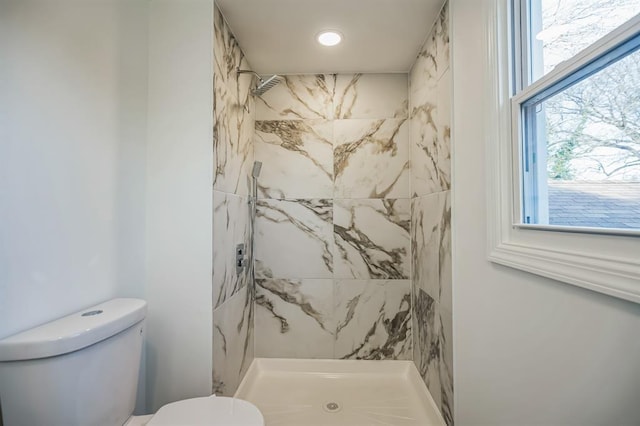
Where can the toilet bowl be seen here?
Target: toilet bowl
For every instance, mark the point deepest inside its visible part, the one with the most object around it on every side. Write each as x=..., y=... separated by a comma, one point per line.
x=82, y=370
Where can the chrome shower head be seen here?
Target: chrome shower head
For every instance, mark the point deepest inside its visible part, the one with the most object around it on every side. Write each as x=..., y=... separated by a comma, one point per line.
x=263, y=85
x=266, y=84
x=257, y=166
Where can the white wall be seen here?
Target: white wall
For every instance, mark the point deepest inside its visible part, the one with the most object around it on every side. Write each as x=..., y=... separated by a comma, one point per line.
x=72, y=147
x=527, y=350
x=179, y=200
x=82, y=217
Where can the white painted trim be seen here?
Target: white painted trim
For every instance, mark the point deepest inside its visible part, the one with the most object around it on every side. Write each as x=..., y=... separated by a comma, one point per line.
x=609, y=276
x=604, y=263
x=625, y=32
x=580, y=229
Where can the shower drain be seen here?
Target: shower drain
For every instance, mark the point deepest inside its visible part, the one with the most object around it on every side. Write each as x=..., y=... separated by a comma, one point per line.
x=332, y=407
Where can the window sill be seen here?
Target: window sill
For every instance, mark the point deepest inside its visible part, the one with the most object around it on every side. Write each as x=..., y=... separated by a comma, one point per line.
x=615, y=277
x=581, y=230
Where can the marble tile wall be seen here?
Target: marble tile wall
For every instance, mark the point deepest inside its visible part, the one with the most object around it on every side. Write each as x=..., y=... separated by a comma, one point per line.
x=233, y=341
x=234, y=127
x=333, y=227
x=430, y=147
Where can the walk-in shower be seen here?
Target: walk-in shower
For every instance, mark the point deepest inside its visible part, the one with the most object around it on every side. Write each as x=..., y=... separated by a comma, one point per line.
x=264, y=84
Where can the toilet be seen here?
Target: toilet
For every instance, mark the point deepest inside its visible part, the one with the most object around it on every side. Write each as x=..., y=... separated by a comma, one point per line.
x=82, y=370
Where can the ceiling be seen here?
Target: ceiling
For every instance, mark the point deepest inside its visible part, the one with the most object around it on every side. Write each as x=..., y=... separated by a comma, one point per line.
x=278, y=36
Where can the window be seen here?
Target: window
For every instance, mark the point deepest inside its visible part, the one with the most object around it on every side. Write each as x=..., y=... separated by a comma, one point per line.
x=576, y=114
x=539, y=66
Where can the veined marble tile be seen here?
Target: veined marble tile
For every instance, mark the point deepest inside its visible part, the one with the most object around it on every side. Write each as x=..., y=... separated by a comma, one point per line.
x=225, y=47
x=444, y=256
x=443, y=124
x=371, y=96
x=431, y=244
x=233, y=151
x=298, y=97
x=426, y=342
x=441, y=30
x=294, y=239
x=230, y=227
x=423, y=74
x=228, y=57
x=427, y=174
x=297, y=157
x=233, y=112
x=372, y=238
x=431, y=137
x=232, y=342
x=446, y=364
x=425, y=243
x=371, y=158
x=423, y=77
x=294, y=318
x=430, y=104
x=232, y=147
x=373, y=319
x=422, y=91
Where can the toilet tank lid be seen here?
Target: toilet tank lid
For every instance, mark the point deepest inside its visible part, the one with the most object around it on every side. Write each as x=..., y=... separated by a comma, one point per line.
x=75, y=331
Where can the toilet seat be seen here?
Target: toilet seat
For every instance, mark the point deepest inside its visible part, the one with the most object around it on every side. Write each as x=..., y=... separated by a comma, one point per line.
x=208, y=411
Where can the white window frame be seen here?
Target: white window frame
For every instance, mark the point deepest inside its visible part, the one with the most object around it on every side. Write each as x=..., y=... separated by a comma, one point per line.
x=606, y=261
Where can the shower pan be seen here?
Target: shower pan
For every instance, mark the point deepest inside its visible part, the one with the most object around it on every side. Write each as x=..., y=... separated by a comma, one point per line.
x=294, y=392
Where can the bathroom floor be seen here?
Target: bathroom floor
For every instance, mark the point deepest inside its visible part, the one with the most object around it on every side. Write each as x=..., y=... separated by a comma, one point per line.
x=334, y=393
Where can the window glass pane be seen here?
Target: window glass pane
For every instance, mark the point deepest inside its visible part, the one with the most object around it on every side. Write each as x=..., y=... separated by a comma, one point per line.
x=582, y=151
x=562, y=28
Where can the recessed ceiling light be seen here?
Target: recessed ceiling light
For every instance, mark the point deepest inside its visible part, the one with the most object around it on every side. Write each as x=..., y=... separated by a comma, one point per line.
x=329, y=38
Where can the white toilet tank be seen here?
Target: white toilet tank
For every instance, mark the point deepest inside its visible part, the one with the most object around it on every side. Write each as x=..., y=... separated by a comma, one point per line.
x=80, y=370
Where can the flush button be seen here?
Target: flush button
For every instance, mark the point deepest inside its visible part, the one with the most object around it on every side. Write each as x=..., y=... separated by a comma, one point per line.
x=92, y=313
